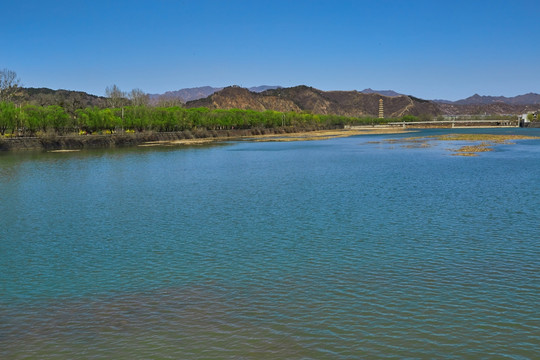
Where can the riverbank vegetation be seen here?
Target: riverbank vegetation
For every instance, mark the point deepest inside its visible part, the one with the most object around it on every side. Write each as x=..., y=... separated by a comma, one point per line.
x=33, y=120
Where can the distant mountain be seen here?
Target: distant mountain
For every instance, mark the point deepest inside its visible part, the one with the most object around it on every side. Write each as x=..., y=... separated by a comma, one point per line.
x=526, y=99
x=262, y=88
x=304, y=98
x=190, y=94
x=298, y=98
x=68, y=99
x=381, y=92
x=442, y=101
x=485, y=109
x=480, y=105
x=187, y=94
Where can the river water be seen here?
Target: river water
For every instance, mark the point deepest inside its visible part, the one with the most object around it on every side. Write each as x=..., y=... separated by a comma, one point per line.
x=344, y=249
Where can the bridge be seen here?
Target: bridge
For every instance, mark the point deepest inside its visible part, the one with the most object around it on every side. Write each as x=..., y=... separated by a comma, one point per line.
x=458, y=123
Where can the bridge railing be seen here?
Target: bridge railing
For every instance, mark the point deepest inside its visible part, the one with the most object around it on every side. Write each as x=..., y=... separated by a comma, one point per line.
x=500, y=122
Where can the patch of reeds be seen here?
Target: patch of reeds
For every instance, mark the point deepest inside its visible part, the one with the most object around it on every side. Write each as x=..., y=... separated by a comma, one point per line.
x=472, y=150
x=496, y=138
x=487, y=142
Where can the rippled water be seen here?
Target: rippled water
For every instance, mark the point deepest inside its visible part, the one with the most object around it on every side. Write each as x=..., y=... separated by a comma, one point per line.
x=344, y=249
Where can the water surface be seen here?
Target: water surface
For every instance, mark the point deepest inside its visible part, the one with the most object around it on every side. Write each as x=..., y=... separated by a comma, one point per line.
x=340, y=248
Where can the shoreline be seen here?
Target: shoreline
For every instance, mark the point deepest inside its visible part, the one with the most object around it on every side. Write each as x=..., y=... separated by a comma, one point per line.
x=75, y=142
x=67, y=143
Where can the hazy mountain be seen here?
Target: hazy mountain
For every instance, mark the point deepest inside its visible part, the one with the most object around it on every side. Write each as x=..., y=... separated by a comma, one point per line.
x=262, y=88
x=526, y=99
x=381, y=92
x=304, y=98
x=190, y=94
x=442, y=101
x=485, y=109
x=187, y=94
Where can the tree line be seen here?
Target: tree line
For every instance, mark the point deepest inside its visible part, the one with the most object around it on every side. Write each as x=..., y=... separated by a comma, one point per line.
x=30, y=120
x=130, y=112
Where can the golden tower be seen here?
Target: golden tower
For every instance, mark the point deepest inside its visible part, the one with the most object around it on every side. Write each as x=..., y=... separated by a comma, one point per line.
x=381, y=109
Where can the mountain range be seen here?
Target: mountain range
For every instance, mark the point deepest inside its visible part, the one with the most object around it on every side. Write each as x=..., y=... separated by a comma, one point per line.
x=196, y=93
x=305, y=98
x=526, y=99
x=300, y=98
x=478, y=104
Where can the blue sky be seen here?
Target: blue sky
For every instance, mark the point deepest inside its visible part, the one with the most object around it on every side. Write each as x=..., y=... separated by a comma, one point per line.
x=429, y=49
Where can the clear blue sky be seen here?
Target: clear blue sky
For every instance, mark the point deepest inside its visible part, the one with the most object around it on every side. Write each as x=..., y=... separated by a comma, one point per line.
x=430, y=49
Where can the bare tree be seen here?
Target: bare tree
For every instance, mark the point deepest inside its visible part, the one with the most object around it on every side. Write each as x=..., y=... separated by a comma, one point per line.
x=138, y=97
x=167, y=101
x=9, y=83
x=42, y=99
x=116, y=97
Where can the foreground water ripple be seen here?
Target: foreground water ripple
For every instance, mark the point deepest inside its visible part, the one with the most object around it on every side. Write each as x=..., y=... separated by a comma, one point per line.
x=327, y=249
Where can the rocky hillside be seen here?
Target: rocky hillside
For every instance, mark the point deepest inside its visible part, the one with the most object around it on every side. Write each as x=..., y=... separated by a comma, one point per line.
x=304, y=98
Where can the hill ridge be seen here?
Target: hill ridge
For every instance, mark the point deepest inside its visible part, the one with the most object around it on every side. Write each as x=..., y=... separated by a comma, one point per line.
x=306, y=98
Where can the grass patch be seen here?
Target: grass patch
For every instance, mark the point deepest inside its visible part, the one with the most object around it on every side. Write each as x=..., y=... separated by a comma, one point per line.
x=472, y=150
x=487, y=142
x=498, y=139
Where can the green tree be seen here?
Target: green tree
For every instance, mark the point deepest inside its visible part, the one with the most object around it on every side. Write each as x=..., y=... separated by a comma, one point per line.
x=409, y=118
x=57, y=118
x=34, y=118
x=89, y=119
x=137, y=118
x=426, y=117
x=8, y=114
x=109, y=121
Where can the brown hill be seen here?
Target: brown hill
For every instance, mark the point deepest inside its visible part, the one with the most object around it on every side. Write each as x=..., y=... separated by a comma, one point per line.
x=303, y=98
x=235, y=97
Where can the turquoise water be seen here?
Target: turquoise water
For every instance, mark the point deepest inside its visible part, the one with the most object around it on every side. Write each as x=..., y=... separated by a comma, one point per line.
x=346, y=248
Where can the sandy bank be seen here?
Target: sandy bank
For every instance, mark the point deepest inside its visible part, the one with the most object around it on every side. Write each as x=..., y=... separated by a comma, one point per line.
x=181, y=138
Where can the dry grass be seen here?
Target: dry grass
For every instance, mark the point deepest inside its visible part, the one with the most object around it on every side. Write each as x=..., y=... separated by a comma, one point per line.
x=472, y=150
x=297, y=136
x=417, y=146
x=499, y=139
x=327, y=134
x=487, y=142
